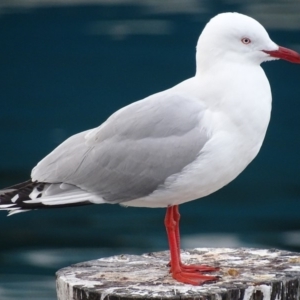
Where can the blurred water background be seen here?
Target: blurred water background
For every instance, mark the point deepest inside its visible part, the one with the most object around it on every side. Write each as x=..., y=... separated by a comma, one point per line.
x=65, y=66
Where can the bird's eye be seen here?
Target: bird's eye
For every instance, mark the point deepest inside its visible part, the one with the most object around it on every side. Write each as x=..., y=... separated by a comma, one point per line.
x=246, y=41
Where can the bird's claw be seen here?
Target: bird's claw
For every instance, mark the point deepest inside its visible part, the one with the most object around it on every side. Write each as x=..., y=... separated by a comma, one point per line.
x=194, y=278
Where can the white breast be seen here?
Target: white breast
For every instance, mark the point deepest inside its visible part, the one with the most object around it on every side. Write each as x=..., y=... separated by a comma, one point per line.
x=237, y=122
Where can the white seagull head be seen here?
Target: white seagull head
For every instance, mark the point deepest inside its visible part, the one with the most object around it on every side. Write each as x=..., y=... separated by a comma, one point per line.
x=236, y=38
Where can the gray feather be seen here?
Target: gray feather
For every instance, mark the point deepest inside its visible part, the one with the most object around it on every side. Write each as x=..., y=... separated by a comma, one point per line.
x=133, y=152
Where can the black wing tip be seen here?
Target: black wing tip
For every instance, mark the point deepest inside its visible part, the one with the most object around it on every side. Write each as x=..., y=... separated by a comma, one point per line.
x=14, y=198
x=18, y=185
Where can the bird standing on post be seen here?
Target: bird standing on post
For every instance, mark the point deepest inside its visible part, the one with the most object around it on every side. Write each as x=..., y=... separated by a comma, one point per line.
x=174, y=146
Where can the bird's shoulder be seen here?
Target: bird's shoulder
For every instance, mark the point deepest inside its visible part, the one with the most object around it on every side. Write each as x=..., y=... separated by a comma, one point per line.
x=163, y=114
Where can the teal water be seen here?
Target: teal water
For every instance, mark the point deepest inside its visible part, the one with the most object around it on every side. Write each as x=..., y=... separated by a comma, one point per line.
x=66, y=68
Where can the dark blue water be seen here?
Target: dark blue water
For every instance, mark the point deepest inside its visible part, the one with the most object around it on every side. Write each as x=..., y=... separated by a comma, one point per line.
x=65, y=69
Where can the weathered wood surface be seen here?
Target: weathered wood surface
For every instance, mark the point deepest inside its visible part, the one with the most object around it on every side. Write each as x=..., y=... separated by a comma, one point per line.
x=248, y=274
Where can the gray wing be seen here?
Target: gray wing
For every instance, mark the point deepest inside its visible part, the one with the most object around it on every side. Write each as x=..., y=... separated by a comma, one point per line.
x=133, y=152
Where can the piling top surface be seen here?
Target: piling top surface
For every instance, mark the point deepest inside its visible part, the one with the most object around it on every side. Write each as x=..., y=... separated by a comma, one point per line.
x=245, y=272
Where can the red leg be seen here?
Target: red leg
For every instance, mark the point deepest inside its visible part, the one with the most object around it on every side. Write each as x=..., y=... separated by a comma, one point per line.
x=180, y=272
x=188, y=268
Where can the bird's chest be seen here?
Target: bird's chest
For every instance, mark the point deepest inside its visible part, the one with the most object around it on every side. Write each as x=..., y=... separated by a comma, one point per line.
x=242, y=125
x=237, y=132
x=242, y=109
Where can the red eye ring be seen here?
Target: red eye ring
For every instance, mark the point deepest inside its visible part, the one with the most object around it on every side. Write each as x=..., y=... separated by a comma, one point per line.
x=246, y=41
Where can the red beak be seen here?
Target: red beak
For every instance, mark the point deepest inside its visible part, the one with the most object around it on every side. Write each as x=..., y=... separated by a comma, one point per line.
x=286, y=54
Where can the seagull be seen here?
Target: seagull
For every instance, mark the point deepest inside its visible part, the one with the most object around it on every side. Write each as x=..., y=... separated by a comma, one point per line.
x=172, y=147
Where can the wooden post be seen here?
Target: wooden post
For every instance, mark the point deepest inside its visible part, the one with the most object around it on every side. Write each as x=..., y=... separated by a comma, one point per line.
x=246, y=274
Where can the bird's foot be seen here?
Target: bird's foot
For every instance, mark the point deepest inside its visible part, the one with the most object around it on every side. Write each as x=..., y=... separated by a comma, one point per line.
x=198, y=268
x=195, y=268
x=193, y=278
